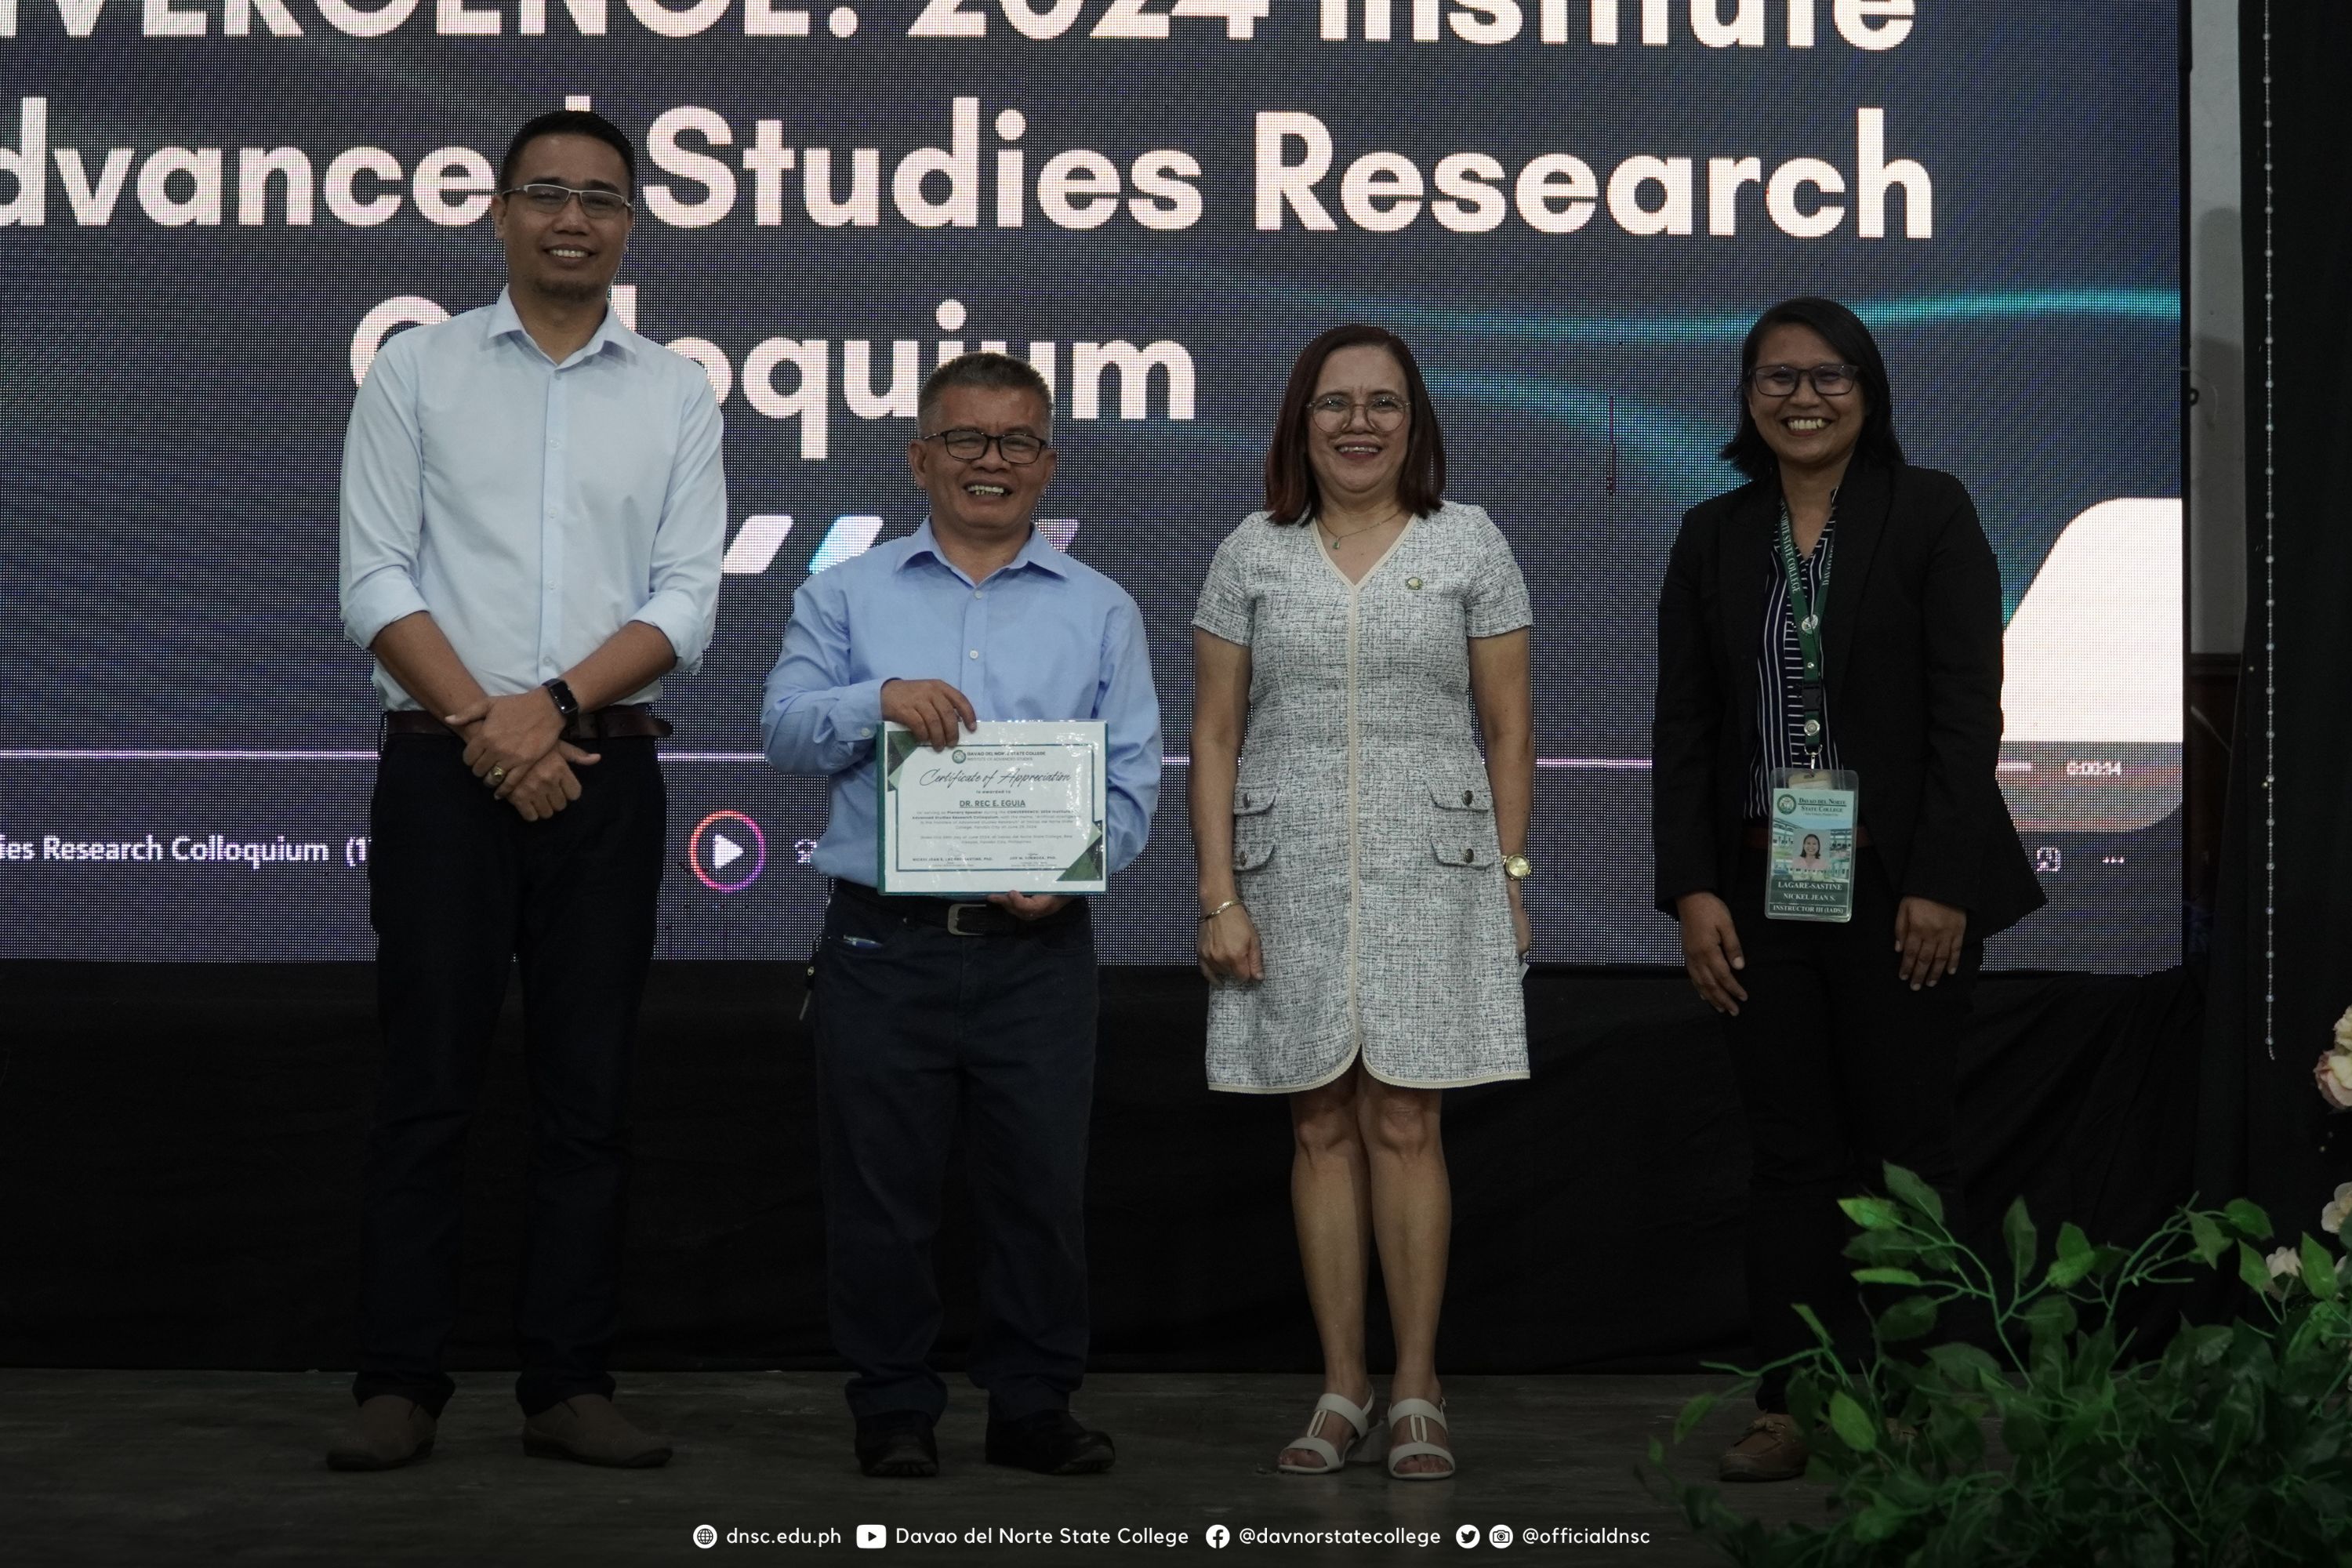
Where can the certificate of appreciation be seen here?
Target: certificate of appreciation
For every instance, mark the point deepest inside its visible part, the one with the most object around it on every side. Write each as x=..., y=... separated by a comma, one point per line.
x=1013, y=806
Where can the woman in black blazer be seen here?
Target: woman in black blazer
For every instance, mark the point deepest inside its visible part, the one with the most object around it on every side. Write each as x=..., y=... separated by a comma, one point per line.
x=1844, y=1037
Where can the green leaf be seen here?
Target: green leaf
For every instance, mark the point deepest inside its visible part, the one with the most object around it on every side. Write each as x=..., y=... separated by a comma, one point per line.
x=1907, y=1186
x=2252, y=1269
x=2072, y=1242
x=1693, y=1414
x=2248, y=1219
x=2318, y=1269
x=1851, y=1423
x=1871, y=1214
x=1813, y=1323
x=2016, y=1229
x=1887, y=1276
x=1907, y=1319
x=1881, y=1520
x=2052, y=1315
x=2207, y=1237
x=2066, y=1271
x=1657, y=1453
x=2022, y=1433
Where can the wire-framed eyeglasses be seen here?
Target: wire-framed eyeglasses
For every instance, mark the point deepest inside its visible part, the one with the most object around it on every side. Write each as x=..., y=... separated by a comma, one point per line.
x=544, y=197
x=1383, y=411
x=965, y=445
x=1781, y=380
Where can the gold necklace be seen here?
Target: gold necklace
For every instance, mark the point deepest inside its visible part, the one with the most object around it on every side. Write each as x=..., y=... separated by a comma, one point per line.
x=1333, y=538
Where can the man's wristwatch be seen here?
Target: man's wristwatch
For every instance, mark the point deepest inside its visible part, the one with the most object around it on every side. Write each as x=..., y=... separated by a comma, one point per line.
x=1516, y=868
x=565, y=703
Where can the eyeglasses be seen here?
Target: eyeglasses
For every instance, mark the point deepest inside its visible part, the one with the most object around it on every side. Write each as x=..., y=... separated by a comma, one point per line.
x=1018, y=447
x=1383, y=411
x=1780, y=380
x=549, y=199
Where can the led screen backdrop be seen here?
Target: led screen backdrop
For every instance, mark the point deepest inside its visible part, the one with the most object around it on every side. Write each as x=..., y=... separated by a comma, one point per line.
x=214, y=210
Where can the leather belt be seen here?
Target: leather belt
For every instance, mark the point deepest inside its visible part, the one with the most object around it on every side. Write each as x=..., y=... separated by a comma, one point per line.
x=1760, y=834
x=957, y=917
x=623, y=720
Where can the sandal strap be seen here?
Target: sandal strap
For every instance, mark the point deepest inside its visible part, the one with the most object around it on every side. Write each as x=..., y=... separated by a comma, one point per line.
x=1414, y=1450
x=1400, y=1408
x=1357, y=1416
x=1321, y=1449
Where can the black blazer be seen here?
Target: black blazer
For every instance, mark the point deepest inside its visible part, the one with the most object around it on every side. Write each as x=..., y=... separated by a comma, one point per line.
x=1913, y=645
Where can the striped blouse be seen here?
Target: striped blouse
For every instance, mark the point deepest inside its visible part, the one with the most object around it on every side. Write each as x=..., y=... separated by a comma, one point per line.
x=1781, y=676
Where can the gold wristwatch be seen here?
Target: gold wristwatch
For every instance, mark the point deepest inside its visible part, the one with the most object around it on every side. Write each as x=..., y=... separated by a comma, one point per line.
x=1516, y=868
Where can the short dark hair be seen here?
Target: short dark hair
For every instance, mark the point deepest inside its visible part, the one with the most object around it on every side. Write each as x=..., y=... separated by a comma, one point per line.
x=1291, y=495
x=1851, y=340
x=1002, y=372
x=568, y=122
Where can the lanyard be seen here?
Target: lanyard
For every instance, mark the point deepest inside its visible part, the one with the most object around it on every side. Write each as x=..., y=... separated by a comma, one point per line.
x=1808, y=611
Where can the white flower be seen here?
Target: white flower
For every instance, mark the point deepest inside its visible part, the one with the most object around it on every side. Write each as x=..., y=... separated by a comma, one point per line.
x=2284, y=1261
x=2344, y=1031
x=2333, y=1073
x=2338, y=1209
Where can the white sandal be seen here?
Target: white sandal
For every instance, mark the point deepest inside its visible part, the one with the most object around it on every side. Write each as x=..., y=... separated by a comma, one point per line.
x=1360, y=1421
x=1419, y=1414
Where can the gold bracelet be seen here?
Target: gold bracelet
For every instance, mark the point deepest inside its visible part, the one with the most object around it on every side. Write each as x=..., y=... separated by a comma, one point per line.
x=1221, y=909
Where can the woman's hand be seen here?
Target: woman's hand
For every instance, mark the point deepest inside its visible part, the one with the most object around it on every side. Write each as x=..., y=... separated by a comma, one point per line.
x=1929, y=936
x=1228, y=948
x=1523, y=935
x=1711, y=951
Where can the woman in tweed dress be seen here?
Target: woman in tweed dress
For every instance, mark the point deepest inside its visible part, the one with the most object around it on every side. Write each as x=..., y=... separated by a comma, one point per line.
x=1358, y=864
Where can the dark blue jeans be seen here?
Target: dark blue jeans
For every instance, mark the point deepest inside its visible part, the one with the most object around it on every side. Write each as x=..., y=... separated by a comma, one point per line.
x=460, y=888
x=916, y=1030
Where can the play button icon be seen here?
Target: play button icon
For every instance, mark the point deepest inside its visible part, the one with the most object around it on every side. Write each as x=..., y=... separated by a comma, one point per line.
x=727, y=851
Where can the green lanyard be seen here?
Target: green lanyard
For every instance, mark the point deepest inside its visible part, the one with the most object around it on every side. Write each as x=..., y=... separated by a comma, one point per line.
x=1808, y=612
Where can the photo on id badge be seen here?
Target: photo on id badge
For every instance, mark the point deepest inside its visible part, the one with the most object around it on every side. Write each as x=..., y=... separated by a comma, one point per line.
x=1809, y=876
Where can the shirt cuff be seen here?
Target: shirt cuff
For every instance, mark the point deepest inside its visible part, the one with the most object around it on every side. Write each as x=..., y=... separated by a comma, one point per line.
x=682, y=622
x=374, y=602
x=857, y=716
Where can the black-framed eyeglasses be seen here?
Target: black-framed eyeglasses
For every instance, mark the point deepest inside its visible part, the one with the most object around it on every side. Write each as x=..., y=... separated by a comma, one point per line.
x=1019, y=447
x=1383, y=411
x=550, y=199
x=1781, y=380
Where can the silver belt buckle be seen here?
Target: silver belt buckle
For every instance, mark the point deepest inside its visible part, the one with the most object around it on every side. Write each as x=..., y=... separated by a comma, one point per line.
x=955, y=920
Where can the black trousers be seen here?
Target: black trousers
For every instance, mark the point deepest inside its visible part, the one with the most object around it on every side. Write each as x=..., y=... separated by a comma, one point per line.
x=1842, y=1066
x=461, y=888
x=916, y=1030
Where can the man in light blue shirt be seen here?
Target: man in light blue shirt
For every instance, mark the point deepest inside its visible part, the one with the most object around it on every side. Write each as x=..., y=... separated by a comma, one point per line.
x=928, y=1011
x=533, y=509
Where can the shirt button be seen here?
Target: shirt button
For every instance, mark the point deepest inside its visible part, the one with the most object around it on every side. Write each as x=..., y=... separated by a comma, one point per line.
x=975, y=653
x=865, y=735
x=977, y=593
x=1469, y=856
x=1469, y=797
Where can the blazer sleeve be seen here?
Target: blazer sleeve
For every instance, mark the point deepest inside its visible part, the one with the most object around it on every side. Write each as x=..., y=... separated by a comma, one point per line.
x=1683, y=727
x=1962, y=616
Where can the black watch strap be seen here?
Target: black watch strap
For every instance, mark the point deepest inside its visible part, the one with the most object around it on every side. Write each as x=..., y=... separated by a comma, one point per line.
x=565, y=703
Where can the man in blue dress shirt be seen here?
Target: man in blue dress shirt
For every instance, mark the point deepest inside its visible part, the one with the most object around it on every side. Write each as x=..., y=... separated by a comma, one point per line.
x=928, y=1010
x=532, y=511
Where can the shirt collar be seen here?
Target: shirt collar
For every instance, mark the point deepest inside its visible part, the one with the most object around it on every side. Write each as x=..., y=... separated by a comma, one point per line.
x=1037, y=553
x=610, y=335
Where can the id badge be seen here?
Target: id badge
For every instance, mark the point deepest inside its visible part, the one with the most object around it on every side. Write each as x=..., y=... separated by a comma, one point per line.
x=1809, y=873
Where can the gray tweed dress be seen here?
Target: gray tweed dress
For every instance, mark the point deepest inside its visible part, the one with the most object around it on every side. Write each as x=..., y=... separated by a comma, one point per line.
x=1364, y=840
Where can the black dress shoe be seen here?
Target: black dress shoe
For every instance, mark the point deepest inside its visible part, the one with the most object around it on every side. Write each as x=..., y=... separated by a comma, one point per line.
x=898, y=1444
x=1052, y=1443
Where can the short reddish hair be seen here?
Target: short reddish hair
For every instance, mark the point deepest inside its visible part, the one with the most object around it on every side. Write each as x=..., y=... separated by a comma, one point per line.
x=1290, y=490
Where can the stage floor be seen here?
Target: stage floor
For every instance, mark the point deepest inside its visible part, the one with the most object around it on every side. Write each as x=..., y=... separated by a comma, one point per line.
x=167, y=1466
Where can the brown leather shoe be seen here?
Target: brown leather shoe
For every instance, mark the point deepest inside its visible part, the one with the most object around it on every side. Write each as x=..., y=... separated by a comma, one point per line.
x=1770, y=1450
x=387, y=1433
x=587, y=1428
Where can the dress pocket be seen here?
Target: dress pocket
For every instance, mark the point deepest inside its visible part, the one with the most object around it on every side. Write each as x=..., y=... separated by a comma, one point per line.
x=1254, y=823
x=1463, y=830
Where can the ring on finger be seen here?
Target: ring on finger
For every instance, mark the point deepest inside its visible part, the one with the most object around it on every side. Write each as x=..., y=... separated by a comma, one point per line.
x=497, y=775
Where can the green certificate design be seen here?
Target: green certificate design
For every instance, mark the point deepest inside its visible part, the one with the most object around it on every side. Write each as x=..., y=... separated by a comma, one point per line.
x=1013, y=806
